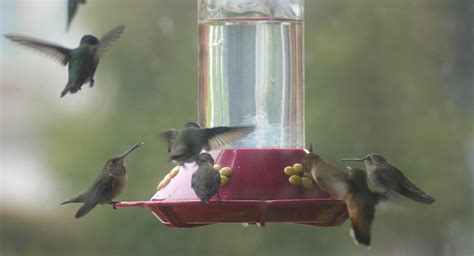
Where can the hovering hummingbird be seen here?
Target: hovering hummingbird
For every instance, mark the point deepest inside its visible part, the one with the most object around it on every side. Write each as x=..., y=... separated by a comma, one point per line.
x=82, y=60
x=106, y=187
x=328, y=177
x=360, y=203
x=391, y=179
x=72, y=6
x=206, y=180
x=186, y=144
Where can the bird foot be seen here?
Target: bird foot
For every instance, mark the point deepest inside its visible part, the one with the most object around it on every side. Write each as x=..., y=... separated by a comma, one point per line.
x=113, y=203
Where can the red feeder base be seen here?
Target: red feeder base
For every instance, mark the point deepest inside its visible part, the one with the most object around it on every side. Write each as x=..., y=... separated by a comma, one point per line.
x=258, y=191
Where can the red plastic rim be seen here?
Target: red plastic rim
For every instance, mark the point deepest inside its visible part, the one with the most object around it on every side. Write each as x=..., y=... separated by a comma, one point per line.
x=258, y=191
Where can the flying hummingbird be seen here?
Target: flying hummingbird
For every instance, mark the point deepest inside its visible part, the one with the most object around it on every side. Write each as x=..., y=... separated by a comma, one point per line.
x=72, y=6
x=106, y=187
x=328, y=177
x=360, y=203
x=206, y=180
x=391, y=179
x=82, y=60
x=186, y=144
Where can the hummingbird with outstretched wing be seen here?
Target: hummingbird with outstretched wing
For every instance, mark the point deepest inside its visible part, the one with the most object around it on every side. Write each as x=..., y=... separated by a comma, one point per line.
x=185, y=144
x=391, y=179
x=82, y=61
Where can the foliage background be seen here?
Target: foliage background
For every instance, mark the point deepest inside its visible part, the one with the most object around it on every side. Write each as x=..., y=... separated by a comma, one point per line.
x=394, y=77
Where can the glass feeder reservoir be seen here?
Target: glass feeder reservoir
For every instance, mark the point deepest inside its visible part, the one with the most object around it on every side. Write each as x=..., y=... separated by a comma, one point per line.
x=251, y=72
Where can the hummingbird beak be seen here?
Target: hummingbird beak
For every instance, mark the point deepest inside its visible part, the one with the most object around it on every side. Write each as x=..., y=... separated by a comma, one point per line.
x=353, y=159
x=130, y=150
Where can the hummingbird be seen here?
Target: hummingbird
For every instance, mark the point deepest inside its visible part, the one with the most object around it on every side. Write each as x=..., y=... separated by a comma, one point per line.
x=82, y=60
x=72, y=6
x=186, y=144
x=206, y=180
x=391, y=179
x=107, y=186
x=360, y=202
x=329, y=178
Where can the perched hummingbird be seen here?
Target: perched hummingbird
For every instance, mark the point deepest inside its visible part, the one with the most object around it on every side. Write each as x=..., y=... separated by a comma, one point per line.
x=186, y=144
x=328, y=177
x=106, y=187
x=206, y=180
x=72, y=6
x=391, y=179
x=360, y=203
x=82, y=60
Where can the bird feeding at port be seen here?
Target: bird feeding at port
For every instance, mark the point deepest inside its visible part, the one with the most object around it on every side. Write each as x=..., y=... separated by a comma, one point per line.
x=251, y=70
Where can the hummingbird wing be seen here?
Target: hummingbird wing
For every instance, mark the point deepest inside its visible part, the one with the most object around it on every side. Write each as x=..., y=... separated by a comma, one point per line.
x=391, y=178
x=196, y=184
x=86, y=208
x=386, y=177
x=194, y=180
x=220, y=136
x=360, y=202
x=170, y=138
x=410, y=190
x=362, y=214
x=105, y=188
x=217, y=176
x=108, y=39
x=55, y=51
x=212, y=187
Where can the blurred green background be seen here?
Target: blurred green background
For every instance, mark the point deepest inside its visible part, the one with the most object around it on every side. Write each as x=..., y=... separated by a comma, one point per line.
x=394, y=77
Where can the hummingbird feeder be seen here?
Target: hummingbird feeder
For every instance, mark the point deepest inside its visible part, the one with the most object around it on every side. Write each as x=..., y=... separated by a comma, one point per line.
x=251, y=71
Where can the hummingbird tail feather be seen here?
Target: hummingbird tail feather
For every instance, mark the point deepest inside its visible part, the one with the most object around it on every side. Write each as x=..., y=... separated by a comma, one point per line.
x=360, y=235
x=85, y=209
x=411, y=191
x=77, y=199
x=65, y=91
x=74, y=89
x=71, y=87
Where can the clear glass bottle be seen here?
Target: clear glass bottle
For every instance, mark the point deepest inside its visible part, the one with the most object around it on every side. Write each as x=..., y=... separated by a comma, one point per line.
x=251, y=69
